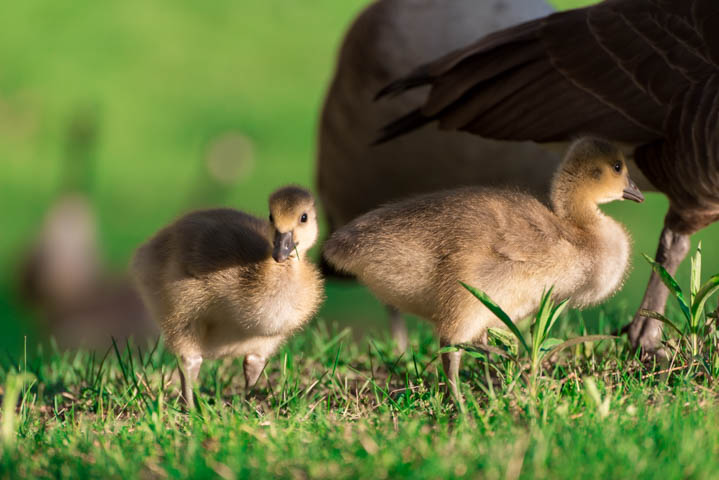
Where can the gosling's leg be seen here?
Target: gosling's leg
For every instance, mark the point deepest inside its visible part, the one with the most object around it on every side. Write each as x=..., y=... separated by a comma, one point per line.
x=399, y=328
x=646, y=333
x=451, y=362
x=253, y=366
x=189, y=370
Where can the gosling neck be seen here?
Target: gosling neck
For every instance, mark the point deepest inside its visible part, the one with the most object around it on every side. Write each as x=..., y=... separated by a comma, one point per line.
x=573, y=202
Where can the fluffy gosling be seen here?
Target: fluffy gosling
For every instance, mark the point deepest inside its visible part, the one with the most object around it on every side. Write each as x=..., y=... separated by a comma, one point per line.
x=413, y=253
x=224, y=283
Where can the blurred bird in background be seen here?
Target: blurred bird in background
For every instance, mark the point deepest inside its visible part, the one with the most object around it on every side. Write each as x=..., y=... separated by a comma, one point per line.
x=63, y=278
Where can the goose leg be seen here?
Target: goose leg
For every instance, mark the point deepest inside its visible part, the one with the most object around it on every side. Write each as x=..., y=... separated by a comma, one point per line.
x=646, y=333
x=253, y=366
x=399, y=328
x=451, y=362
x=189, y=370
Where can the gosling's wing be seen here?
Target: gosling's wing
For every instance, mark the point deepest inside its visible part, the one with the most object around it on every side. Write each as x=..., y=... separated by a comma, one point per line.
x=525, y=232
x=614, y=69
x=212, y=240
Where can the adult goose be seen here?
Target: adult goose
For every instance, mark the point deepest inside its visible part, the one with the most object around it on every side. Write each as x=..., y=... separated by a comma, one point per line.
x=641, y=72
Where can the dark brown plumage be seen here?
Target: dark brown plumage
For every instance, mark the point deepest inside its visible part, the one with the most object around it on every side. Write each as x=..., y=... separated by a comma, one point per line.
x=388, y=38
x=642, y=72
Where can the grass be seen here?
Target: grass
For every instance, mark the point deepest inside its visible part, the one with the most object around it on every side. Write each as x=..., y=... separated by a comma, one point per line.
x=328, y=408
x=695, y=324
x=543, y=346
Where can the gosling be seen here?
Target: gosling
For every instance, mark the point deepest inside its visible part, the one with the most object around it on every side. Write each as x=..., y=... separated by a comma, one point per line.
x=413, y=254
x=224, y=283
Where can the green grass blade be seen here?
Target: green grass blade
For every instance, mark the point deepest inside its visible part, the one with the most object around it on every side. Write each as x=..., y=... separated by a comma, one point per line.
x=661, y=318
x=504, y=337
x=696, y=274
x=331, y=343
x=495, y=309
x=577, y=340
x=556, y=313
x=706, y=291
x=550, y=343
x=119, y=361
x=539, y=332
x=487, y=349
x=594, y=397
x=538, y=329
x=545, y=307
x=672, y=285
x=337, y=358
x=14, y=384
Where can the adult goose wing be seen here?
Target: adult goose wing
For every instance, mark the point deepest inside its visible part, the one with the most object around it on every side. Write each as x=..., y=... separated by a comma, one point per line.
x=615, y=69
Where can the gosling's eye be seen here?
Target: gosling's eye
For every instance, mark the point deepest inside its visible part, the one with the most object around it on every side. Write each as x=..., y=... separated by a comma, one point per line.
x=272, y=220
x=303, y=218
x=618, y=167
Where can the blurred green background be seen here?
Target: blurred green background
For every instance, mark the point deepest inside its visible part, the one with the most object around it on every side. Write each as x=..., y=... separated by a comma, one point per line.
x=163, y=87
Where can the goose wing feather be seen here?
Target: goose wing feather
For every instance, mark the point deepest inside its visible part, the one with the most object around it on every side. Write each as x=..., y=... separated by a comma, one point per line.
x=617, y=69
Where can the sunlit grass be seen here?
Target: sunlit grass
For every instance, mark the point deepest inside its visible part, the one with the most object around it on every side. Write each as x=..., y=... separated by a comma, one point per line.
x=697, y=328
x=329, y=407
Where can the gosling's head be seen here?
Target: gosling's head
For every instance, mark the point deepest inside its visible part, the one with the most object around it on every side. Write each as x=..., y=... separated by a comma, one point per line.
x=294, y=221
x=593, y=171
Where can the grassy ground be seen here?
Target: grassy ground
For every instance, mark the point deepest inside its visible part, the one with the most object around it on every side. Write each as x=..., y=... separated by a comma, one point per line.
x=327, y=408
x=159, y=83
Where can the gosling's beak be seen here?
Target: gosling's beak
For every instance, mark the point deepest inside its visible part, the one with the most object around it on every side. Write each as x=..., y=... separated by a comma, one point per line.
x=283, y=246
x=632, y=192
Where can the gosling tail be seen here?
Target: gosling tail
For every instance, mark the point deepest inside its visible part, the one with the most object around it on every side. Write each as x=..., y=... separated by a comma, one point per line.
x=342, y=250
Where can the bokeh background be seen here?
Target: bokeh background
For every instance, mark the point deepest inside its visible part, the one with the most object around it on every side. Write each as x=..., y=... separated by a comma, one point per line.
x=148, y=109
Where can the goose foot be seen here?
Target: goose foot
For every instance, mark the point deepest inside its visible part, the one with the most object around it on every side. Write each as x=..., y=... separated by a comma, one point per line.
x=189, y=371
x=451, y=362
x=399, y=328
x=253, y=365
